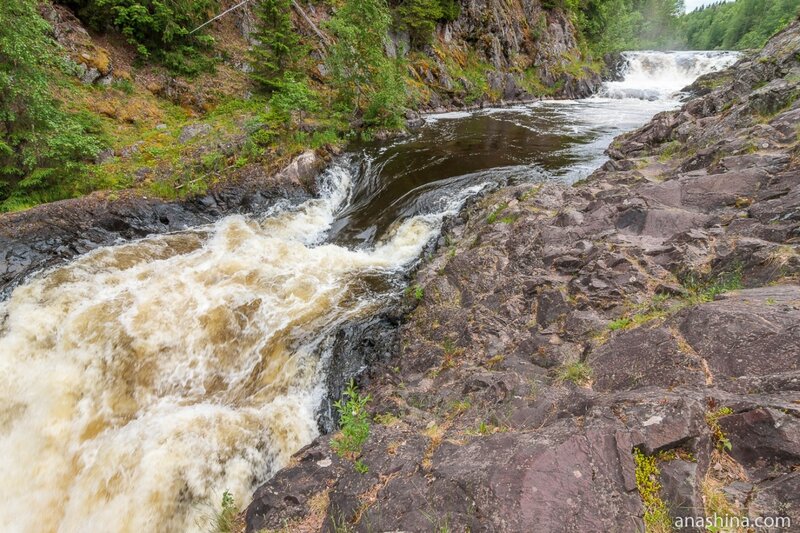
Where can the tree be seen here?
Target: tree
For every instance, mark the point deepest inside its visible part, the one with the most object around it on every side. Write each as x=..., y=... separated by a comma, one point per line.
x=420, y=17
x=278, y=48
x=737, y=25
x=366, y=81
x=42, y=148
x=157, y=28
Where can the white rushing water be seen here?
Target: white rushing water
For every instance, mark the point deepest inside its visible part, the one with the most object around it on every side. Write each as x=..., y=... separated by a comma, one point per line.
x=140, y=381
x=659, y=75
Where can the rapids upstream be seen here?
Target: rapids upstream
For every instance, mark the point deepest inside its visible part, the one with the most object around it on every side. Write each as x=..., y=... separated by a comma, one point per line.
x=141, y=381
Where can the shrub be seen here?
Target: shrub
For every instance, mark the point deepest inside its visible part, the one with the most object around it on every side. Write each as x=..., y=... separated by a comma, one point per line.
x=353, y=421
x=420, y=17
x=154, y=27
x=366, y=82
x=292, y=94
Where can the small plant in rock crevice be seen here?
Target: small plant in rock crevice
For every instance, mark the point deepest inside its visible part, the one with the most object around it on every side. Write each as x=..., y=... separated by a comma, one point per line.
x=712, y=419
x=579, y=373
x=656, y=515
x=417, y=291
x=492, y=218
x=224, y=520
x=354, y=423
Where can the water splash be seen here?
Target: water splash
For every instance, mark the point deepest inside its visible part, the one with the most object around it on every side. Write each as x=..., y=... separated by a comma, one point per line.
x=141, y=381
x=659, y=75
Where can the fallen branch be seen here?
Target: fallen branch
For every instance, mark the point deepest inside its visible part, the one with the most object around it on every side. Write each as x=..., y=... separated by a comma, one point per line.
x=322, y=36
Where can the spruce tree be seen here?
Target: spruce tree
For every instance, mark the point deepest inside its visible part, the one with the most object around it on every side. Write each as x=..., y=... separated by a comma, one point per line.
x=277, y=49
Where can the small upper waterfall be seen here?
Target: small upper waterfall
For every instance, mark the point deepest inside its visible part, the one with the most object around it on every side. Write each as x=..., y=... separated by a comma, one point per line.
x=649, y=75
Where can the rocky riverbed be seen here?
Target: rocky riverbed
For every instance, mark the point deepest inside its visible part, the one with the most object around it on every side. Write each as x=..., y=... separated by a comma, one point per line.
x=591, y=357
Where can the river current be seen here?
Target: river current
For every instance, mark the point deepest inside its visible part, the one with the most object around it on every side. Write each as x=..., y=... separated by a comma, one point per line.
x=141, y=381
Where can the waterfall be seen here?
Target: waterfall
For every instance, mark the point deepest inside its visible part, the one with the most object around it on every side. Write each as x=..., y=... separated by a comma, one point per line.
x=140, y=381
x=659, y=75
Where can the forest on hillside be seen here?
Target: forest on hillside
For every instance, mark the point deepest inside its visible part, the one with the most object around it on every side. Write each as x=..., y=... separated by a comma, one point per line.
x=736, y=25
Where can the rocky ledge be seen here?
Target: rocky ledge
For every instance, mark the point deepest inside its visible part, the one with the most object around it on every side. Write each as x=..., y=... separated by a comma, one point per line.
x=603, y=357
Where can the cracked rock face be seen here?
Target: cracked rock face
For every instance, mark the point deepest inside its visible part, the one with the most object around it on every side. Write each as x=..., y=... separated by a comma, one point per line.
x=654, y=306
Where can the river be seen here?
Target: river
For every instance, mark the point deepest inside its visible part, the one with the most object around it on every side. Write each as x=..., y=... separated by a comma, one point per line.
x=139, y=382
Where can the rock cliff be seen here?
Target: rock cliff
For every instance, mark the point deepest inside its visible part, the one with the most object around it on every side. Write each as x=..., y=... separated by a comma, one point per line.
x=599, y=357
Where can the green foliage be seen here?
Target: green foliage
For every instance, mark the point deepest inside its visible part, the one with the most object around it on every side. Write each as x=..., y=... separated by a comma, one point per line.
x=737, y=25
x=451, y=9
x=417, y=292
x=712, y=419
x=492, y=218
x=620, y=323
x=278, y=49
x=656, y=515
x=367, y=83
x=579, y=373
x=43, y=149
x=292, y=94
x=473, y=71
x=614, y=25
x=224, y=520
x=420, y=17
x=157, y=28
x=706, y=290
x=353, y=421
x=360, y=467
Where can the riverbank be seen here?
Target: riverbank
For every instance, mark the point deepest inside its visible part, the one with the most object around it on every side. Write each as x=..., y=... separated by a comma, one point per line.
x=608, y=356
x=156, y=129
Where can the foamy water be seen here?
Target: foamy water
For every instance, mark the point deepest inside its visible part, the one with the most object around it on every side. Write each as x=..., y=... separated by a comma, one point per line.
x=141, y=381
x=652, y=75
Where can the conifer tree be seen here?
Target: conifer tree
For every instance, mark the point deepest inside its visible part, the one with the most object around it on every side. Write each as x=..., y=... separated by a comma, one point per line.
x=277, y=50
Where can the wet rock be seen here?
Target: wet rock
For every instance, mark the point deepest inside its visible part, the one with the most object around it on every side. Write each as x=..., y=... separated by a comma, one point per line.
x=303, y=168
x=519, y=408
x=52, y=233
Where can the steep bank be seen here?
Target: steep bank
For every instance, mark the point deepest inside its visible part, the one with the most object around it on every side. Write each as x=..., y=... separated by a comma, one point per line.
x=185, y=151
x=597, y=357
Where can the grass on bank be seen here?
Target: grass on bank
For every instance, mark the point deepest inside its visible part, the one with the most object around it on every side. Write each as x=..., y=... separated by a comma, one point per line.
x=697, y=291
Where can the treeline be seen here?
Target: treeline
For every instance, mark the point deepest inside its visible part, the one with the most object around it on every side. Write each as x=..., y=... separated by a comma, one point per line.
x=614, y=25
x=737, y=25
x=43, y=148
